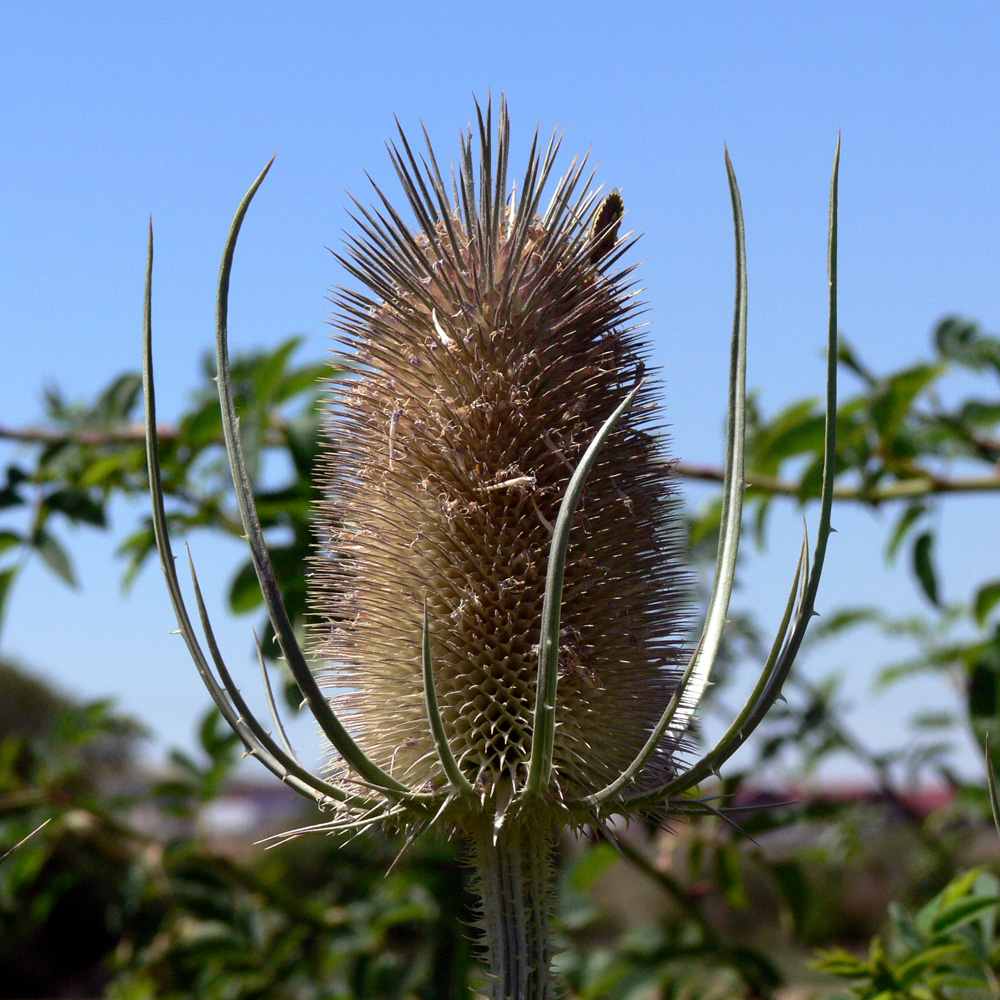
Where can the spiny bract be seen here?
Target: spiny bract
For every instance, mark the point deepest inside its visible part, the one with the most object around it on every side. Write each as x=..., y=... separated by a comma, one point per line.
x=493, y=346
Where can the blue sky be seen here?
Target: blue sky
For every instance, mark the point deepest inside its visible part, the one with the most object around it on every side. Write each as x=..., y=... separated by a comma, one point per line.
x=118, y=111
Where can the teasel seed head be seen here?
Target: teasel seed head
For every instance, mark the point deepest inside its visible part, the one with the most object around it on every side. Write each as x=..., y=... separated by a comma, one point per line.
x=488, y=368
x=489, y=349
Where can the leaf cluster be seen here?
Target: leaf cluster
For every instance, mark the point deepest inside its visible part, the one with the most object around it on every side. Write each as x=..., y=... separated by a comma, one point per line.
x=85, y=456
x=949, y=948
x=907, y=441
x=124, y=896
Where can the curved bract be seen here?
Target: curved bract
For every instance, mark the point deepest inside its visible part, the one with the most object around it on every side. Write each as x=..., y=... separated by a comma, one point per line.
x=497, y=424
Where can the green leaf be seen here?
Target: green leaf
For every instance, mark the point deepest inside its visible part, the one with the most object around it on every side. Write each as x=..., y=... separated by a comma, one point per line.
x=729, y=876
x=840, y=962
x=203, y=426
x=983, y=699
x=116, y=403
x=904, y=928
x=846, y=618
x=763, y=505
x=270, y=371
x=309, y=377
x=957, y=984
x=795, y=889
x=911, y=514
x=705, y=523
x=216, y=738
x=137, y=547
x=923, y=567
x=54, y=556
x=962, y=341
x=9, y=495
x=77, y=505
x=106, y=470
x=962, y=911
x=796, y=430
x=302, y=435
x=882, y=995
x=757, y=970
x=812, y=479
x=986, y=598
x=9, y=540
x=991, y=780
x=185, y=762
x=895, y=397
x=244, y=591
x=847, y=357
x=961, y=901
x=933, y=720
x=915, y=966
x=979, y=413
x=960, y=886
x=6, y=579
x=592, y=865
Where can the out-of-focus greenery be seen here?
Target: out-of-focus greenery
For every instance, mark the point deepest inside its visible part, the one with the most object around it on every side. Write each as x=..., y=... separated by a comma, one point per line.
x=948, y=949
x=87, y=454
x=102, y=902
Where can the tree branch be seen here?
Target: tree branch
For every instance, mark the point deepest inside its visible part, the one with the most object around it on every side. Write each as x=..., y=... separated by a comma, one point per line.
x=126, y=434
x=926, y=484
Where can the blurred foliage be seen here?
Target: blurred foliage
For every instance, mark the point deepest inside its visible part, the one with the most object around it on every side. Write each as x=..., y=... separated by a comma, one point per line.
x=122, y=896
x=86, y=455
x=730, y=901
x=900, y=447
x=949, y=948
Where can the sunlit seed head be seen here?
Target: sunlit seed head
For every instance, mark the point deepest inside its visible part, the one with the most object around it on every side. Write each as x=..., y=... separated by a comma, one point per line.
x=494, y=340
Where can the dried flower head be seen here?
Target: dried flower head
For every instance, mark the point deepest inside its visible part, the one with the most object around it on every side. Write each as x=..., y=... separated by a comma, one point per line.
x=495, y=344
x=500, y=600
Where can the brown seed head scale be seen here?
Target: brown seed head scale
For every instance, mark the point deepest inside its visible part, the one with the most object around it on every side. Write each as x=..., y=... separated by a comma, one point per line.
x=493, y=346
